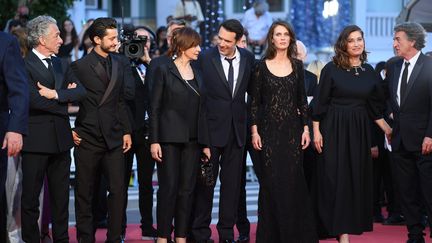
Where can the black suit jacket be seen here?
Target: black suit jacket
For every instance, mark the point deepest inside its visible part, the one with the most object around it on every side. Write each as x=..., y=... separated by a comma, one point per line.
x=150, y=72
x=311, y=81
x=14, y=98
x=140, y=104
x=170, y=102
x=224, y=109
x=49, y=127
x=102, y=118
x=413, y=118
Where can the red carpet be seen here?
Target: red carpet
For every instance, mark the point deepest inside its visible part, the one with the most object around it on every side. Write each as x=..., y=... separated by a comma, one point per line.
x=381, y=234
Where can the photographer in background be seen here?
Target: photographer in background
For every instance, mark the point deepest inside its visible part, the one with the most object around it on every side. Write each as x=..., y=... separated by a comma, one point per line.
x=22, y=16
x=189, y=11
x=140, y=45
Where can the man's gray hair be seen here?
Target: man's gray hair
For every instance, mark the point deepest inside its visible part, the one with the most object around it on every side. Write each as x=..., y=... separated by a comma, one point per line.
x=301, y=45
x=38, y=27
x=415, y=32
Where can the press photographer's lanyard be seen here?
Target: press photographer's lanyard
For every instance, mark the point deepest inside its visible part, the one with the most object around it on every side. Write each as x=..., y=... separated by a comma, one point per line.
x=141, y=69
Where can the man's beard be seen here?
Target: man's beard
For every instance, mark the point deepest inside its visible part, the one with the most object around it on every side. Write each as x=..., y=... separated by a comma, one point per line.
x=107, y=49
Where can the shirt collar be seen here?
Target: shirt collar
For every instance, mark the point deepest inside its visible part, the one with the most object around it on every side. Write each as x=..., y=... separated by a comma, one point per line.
x=413, y=59
x=236, y=55
x=40, y=55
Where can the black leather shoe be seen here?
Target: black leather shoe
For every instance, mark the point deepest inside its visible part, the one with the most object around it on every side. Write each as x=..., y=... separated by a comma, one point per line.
x=243, y=239
x=149, y=234
x=394, y=219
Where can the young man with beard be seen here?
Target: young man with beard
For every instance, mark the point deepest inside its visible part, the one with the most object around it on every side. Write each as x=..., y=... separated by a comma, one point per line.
x=102, y=130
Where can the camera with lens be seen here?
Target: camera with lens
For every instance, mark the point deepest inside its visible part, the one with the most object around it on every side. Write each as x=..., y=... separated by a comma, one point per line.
x=133, y=48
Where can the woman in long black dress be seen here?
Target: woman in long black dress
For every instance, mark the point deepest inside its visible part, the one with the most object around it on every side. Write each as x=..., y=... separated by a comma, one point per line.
x=279, y=130
x=348, y=97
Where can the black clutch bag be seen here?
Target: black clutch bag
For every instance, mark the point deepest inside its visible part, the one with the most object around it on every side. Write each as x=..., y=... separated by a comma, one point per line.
x=206, y=175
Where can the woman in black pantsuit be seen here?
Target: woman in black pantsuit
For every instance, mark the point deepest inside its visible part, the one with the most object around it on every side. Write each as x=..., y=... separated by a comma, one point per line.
x=178, y=133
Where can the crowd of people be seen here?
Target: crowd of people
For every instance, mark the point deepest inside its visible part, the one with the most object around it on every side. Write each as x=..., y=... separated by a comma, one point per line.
x=320, y=138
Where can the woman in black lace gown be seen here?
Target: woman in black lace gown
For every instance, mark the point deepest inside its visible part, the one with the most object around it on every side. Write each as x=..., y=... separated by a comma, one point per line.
x=279, y=131
x=348, y=97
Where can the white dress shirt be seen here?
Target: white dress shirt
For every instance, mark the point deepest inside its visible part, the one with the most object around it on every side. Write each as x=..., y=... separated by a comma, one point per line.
x=412, y=62
x=41, y=57
x=236, y=66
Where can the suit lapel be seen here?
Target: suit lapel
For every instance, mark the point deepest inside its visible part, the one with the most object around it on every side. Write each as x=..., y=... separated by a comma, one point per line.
x=218, y=65
x=173, y=69
x=413, y=77
x=197, y=75
x=114, y=78
x=241, y=71
x=37, y=65
x=396, y=74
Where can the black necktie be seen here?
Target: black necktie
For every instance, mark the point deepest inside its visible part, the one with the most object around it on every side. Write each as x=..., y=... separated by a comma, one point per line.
x=230, y=74
x=50, y=66
x=403, y=84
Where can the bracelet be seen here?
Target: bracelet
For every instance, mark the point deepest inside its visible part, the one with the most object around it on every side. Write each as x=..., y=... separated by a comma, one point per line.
x=254, y=134
x=306, y=131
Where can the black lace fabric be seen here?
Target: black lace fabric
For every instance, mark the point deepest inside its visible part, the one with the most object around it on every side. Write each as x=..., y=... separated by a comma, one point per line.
x=279, y=109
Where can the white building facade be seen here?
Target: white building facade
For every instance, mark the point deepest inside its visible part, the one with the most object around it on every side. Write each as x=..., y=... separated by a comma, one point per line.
x=376, y=18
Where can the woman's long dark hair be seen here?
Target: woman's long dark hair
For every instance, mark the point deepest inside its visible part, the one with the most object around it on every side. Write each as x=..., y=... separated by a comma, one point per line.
x=74, y=36
x=341, y=57
x=270, y=52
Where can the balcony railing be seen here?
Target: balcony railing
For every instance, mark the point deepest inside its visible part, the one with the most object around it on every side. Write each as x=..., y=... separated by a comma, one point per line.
x=380, y=24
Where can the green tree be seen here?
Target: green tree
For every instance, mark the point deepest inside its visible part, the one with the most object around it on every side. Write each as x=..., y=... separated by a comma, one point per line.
x=55, y=8
x=7, y=11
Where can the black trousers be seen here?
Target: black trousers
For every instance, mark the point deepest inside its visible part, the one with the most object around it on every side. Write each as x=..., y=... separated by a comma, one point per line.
x=414, y=179
x=91, y=161
x=3, y=174
x=99, y=202
x=145, y=167
x=383, y=178
x=57, y=169
x=242, y=223
x=176, y=176
x=229, y=158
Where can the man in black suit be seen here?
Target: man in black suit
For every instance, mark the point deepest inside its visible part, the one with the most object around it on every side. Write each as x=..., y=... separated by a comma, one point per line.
x=138, y=109
x=46, y=150
x=310, y=78
x=410, y=88
x=13, y=111
x=102, y=130
x=227, y=70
